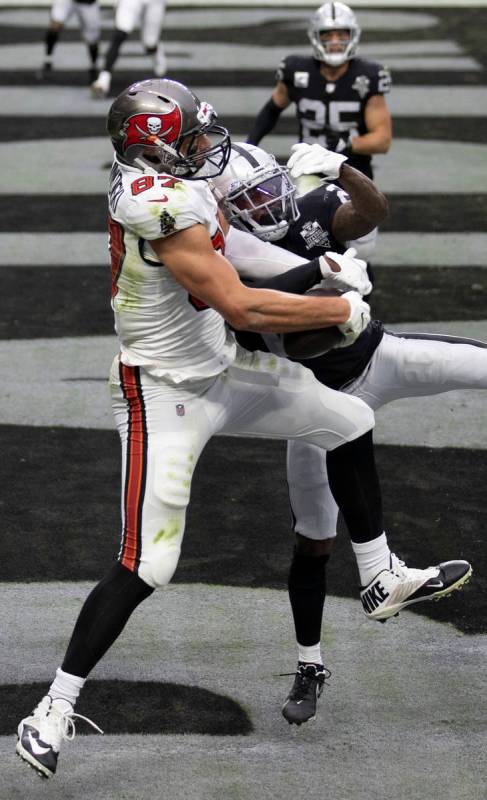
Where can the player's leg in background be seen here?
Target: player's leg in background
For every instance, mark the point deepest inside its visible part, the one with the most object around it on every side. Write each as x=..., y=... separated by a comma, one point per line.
x=90, y=25
x=314, y=514
x=61, y=10
x=150, y=29
x=127, y=15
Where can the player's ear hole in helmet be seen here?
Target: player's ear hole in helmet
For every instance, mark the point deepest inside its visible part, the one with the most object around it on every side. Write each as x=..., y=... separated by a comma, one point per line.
x=255, y=193
x=336, y=17
x=161, y=125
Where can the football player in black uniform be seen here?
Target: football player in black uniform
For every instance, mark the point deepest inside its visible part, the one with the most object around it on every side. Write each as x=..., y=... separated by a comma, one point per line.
x=377, y=366
x=339, y=98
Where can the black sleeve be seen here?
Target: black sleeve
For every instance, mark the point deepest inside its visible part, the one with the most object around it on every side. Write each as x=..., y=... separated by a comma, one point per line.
x=264, y=122
x=297, y=280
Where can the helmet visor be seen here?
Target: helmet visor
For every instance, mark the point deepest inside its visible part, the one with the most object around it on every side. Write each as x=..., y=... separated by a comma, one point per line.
x=265, y=207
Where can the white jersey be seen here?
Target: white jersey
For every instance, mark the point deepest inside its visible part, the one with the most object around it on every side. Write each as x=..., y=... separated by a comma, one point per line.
x=160, y=326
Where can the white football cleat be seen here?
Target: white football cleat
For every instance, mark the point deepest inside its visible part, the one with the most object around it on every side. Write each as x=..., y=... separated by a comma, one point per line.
x=101, y=87
x=41, y=734
x=400, y=586
x=159, y=64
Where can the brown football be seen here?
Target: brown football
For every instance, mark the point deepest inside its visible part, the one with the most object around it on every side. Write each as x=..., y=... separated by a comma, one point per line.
x=314, y=343
x=310, y=344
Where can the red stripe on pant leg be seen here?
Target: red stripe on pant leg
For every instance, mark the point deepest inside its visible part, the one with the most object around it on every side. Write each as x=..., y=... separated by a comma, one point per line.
x=135, y=467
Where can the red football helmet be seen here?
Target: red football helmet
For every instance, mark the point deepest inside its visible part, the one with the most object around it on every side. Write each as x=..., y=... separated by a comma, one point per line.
x=156, y=124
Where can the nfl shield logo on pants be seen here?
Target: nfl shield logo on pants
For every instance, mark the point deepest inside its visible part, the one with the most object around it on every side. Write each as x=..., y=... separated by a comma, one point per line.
x=180, y=410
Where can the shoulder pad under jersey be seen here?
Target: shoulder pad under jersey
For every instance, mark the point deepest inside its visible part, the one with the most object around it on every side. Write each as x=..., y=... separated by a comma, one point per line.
x=159, y=205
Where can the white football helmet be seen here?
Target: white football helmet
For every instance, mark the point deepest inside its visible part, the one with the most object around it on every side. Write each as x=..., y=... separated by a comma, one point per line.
x=333, y=17
x=255, y=193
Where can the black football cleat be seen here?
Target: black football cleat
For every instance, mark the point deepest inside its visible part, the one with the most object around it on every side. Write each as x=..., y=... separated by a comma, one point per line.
x=309, y=681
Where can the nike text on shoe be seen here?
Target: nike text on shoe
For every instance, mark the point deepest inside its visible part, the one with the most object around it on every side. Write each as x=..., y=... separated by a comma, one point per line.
x=400, y=586
x=41, y=734
x=309, y=681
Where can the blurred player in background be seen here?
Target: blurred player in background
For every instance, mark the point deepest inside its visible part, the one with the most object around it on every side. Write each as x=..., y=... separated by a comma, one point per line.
x=149, y=15
x=88, y=14
x=340, y=99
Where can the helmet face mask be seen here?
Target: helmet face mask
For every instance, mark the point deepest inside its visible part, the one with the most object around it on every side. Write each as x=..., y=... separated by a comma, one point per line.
x=161, y=125
x=255, y=193
x=334, y=17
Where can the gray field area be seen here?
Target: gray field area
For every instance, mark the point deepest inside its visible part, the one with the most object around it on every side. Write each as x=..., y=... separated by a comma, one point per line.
x=404, y=714
x=416, y=722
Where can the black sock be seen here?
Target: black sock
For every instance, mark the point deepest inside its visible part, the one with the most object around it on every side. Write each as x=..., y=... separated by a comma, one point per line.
x=93, y=51
x=355, y=486
x=118, y=39
x=51, y=39
x=103, y=617
x=307, y=592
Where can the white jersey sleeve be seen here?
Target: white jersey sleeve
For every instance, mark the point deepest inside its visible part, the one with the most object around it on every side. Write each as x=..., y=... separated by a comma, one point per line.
x=254, y=259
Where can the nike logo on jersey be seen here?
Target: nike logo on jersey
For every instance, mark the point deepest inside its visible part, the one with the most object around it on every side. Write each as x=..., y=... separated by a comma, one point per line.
x=36, y=748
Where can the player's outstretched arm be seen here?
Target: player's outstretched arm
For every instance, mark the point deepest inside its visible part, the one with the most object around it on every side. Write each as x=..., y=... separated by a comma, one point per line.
x=206, y=274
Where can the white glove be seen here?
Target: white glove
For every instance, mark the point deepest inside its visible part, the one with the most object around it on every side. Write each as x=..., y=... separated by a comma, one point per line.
x=310, y=159
x=357, y=321
x=351, y=275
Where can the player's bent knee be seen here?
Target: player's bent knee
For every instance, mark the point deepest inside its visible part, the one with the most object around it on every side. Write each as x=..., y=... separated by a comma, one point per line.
x=314, y=547
x=158, y=569
x=359, y=414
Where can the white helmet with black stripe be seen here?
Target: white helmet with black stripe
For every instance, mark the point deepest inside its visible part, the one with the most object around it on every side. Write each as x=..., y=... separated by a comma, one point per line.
x=255, y=193
x=334, y=17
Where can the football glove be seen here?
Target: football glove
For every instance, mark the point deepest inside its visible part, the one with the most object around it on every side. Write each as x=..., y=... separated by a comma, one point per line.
x=357, y=321
x=312, y=159
x=352, y=273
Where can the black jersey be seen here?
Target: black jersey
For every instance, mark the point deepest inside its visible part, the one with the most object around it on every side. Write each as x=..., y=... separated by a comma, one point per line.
x=310, y=236
x=327, y=108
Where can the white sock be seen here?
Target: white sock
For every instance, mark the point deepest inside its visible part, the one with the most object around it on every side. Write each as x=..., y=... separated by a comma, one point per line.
x=311, y=655
x=372, y=557
x=66, y=686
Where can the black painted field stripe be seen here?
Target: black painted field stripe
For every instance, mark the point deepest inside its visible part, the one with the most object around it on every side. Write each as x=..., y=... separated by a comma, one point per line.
x=408, y=294
x=454, y=129
x=55, y=302
x=440, y=491
x=255, y=78
x=75, y=301
x=424, y=213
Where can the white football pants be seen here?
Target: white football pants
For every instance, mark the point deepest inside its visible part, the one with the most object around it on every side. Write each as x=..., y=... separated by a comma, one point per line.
x=164, y=430
x=400, y=367
x=88, y=17
x=149, y=14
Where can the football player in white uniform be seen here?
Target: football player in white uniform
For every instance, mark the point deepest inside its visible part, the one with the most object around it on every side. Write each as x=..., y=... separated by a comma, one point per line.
x=378, y=367
x=149, y=14
x=180, y=376
x=88, y=14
